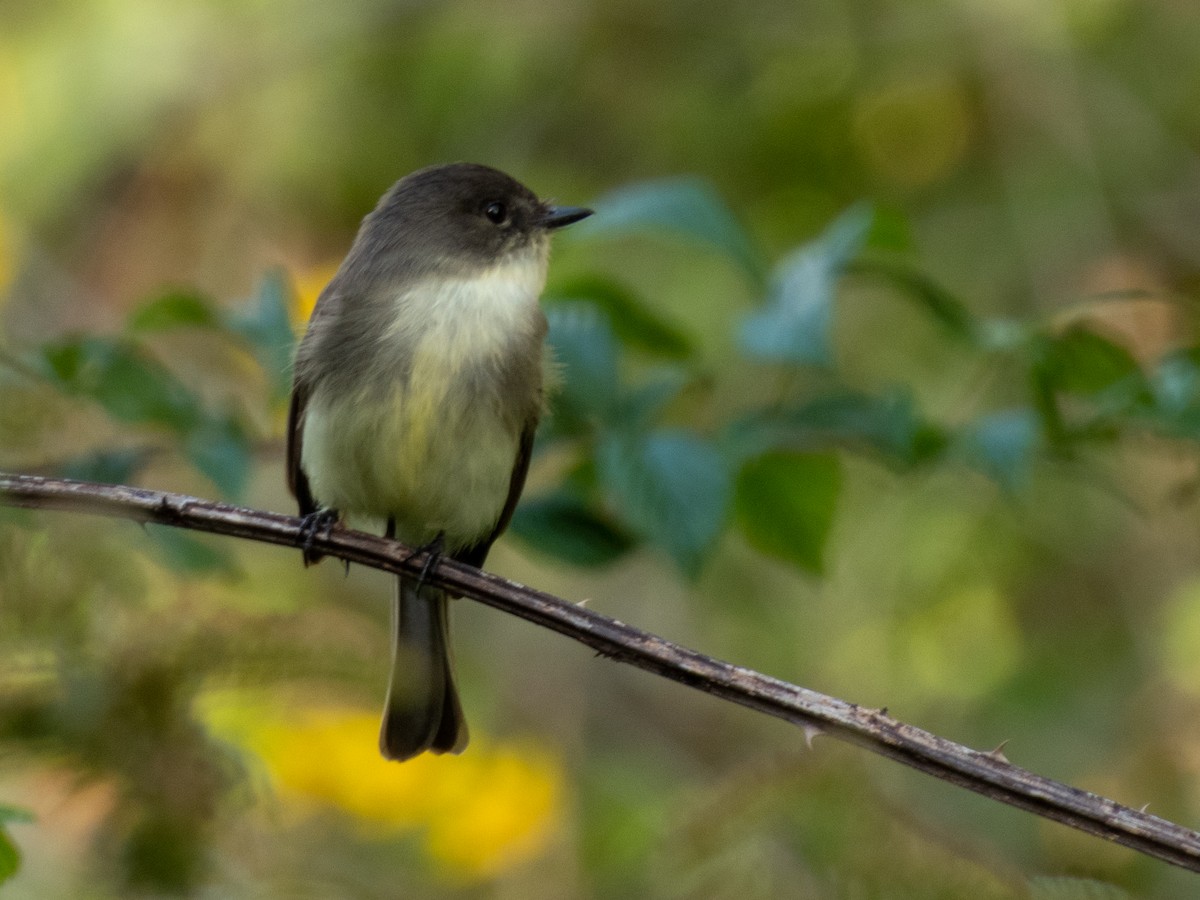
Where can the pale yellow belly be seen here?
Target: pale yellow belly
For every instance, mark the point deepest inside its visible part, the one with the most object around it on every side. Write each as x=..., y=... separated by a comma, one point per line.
x=429, y=464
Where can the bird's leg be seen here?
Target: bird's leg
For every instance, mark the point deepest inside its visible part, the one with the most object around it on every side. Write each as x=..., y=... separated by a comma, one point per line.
x=434, y=548
x=320, y=522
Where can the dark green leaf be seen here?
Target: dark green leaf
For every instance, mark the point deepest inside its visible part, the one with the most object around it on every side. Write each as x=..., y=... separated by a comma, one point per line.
x=670, y=486
x=890, y=424
x=796, y=324
x=131, y=386
x=1081, y=361
x=560, y=525
x=890, y=231
x=582, y=479
x=1003, y=445
x=687, y=207
x=585, y=348
x=1044, y=390
x=634, y=324
x=221, y=451
x=182, y=552
x=10, y=857
x=63, y=362
x=174, y=310
x=785, y=504
x=268, y=330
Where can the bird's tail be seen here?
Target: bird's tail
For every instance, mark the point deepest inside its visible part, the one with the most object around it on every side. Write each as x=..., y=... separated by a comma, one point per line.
x=422, y=710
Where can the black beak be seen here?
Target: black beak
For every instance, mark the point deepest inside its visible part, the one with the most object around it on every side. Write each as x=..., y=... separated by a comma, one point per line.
x=561, y=216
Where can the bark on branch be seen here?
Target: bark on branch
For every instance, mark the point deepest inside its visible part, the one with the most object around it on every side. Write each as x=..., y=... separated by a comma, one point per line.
x=986, y=773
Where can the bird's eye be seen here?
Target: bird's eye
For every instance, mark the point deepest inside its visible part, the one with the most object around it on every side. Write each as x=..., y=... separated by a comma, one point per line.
x=496, y=212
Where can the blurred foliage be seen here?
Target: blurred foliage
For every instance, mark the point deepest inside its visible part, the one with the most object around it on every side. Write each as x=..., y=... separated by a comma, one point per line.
x=879, y=372
x=10, y=856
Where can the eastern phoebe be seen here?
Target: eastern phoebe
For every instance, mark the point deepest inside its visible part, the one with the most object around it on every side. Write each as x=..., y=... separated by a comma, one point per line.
x=416, y=393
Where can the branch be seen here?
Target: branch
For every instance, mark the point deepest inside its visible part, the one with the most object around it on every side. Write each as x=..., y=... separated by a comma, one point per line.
x=989, y=774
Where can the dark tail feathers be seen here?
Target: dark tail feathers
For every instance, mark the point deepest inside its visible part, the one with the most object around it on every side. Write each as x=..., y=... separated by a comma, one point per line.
x=422, y=710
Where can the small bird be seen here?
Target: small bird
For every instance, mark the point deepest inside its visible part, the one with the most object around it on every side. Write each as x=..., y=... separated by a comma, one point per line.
x=416, y=392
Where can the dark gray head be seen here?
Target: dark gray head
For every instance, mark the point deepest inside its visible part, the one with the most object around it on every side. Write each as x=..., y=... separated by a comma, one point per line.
x=459, y=216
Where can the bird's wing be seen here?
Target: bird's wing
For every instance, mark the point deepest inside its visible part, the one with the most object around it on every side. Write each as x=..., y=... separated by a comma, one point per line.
x=297, y=480
x=477, y=553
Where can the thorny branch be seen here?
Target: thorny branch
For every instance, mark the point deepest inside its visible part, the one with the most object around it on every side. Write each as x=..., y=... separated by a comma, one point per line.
x=986, y=773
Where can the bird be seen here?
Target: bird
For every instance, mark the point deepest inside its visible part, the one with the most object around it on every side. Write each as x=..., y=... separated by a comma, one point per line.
x=416, y=393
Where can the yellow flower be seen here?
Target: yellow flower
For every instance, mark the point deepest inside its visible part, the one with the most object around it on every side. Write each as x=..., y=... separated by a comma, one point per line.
x=481, y=814
x=505, y=815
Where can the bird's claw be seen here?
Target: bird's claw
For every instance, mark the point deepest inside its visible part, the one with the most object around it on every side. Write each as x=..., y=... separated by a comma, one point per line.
x=316, y=523
x=434, y=549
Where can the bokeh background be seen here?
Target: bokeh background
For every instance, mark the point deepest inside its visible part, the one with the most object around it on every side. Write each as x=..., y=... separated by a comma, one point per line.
x=982, y=513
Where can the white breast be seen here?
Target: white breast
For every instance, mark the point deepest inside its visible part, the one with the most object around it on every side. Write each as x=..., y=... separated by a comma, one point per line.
x=463, y=319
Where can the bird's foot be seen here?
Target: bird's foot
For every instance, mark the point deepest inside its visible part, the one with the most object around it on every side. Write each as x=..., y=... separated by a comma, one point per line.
x=433, y=551
x=316, y=523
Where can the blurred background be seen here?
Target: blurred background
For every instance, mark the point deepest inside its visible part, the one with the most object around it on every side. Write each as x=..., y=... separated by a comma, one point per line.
x=881, y=378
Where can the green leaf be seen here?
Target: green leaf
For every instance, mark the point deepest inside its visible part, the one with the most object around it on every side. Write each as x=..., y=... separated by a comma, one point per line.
x=634, y=324
x=221, y=451
x=182, y=552
x=889, y=424
x=785, y=504
x=672, y=487
x=890, y=231
x=1003, y=445
x=174, y=310
x=940, y=304
x=265, y=326
x=586, y=350
x=686, y=207
x=796, y=324
x=1081, y=361
x=10, y=856
x=131, y=386
x=563, y=527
